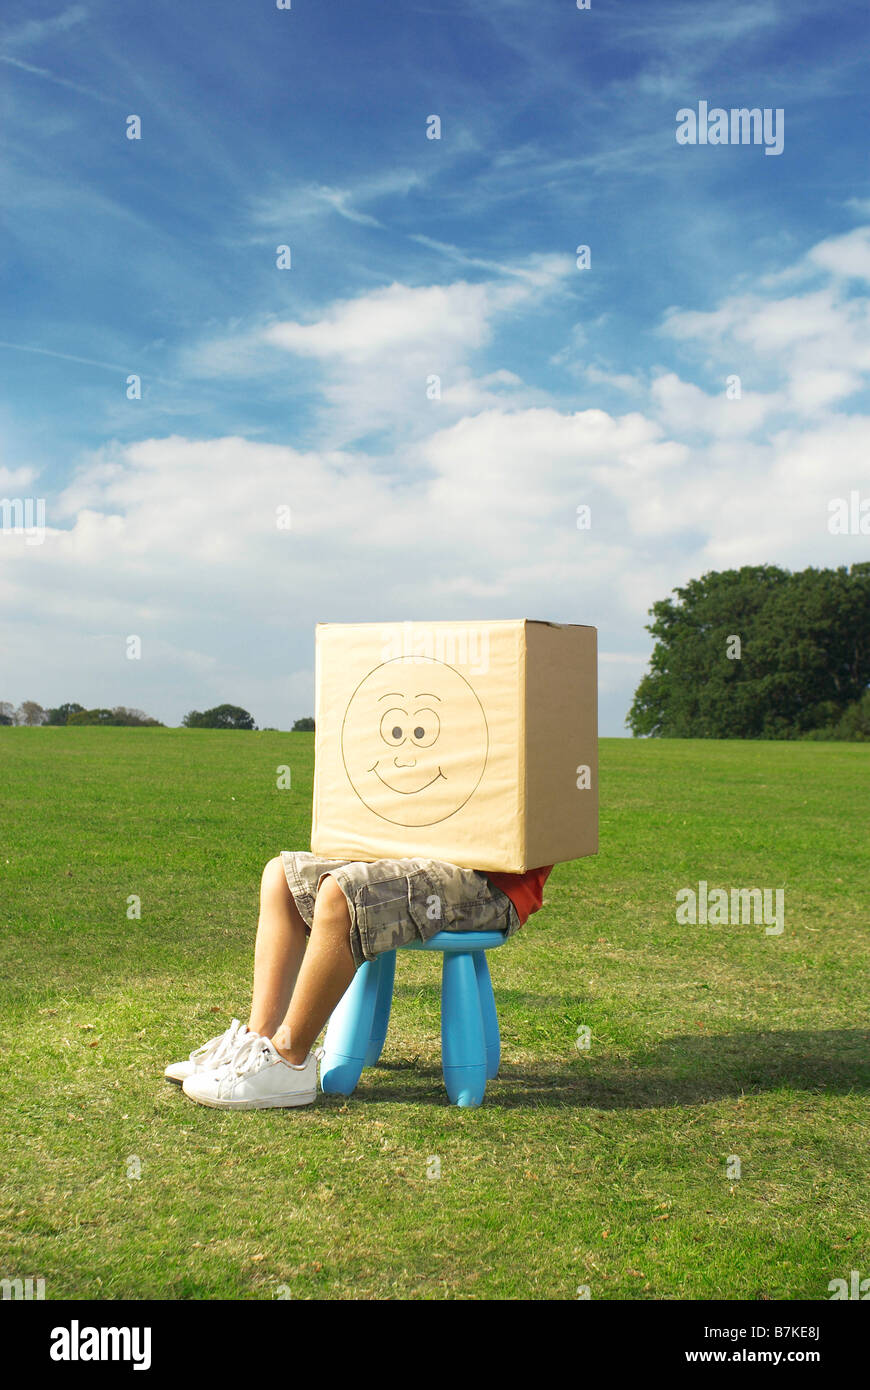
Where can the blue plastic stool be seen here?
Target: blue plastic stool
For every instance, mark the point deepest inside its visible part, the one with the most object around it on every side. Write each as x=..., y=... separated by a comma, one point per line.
x=470, y=1043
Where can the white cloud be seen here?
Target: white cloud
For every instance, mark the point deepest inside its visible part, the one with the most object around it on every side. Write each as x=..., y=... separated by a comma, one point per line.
x=619, y=381
x=379, y=351
x=34, y=31
x=175, y=540
x=393, y=319
x=473, y=513
x=685, y=409
x=428, y=319
x=285, y=207
x=814, y=346
x=847, y=255
x=15, y=482
x=467, y=395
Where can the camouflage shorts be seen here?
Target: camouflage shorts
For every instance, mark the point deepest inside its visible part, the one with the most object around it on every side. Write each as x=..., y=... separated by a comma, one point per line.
x=394, y=901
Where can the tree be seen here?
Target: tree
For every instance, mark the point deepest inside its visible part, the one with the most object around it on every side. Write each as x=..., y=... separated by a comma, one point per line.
x=30, y=713
x=134, y=718
x=305, y=725
x=119, y=717
x=61, y=714
x=221, y=717
x=7, y=712
x=90, y=716
x=854, y=726
x=803, y=656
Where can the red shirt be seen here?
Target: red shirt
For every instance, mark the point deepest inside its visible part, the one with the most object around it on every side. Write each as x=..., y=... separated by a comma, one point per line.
x=526, y=891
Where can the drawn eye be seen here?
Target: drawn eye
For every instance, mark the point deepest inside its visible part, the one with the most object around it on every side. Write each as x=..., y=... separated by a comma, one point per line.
x=393, y=723
x=427, y=727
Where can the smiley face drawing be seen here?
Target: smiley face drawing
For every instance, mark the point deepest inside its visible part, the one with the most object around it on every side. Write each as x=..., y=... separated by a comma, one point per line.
x=414, y=741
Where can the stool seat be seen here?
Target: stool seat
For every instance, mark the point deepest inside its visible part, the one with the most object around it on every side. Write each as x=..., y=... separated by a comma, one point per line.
x=458, y=941
x=470, y=1042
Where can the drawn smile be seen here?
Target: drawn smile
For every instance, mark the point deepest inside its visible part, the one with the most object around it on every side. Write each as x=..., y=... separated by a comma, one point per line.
x=403, y=790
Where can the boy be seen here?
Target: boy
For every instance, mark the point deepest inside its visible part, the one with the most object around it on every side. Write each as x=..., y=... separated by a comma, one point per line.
x=350, y=912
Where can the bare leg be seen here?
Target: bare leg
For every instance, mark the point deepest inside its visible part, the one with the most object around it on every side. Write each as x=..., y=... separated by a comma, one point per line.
x=327, y=970
x=278, y=952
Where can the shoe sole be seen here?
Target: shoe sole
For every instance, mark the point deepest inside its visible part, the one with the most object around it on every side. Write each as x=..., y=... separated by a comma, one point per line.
x=305, y=1098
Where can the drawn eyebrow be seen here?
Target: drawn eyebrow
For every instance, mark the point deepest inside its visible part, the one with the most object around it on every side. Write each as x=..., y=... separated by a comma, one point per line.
x=390, y=694
x=431, y=696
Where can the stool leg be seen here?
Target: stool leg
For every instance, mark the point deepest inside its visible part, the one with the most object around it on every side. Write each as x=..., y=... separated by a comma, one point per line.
x=383, y=1003
x=463, y=1049
x=488, y=1013
x=350, y=1027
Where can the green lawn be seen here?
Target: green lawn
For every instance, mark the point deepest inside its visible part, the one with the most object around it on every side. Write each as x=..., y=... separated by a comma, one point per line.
x=605, y=1167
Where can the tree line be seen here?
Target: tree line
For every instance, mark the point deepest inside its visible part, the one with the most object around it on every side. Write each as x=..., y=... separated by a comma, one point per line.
x=32, y=714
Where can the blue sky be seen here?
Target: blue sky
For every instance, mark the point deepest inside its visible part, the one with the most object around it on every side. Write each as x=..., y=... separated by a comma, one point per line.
x=413, y=257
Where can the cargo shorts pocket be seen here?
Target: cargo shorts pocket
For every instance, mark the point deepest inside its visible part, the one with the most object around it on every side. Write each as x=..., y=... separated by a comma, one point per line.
x=391, y=912
x=468, y=901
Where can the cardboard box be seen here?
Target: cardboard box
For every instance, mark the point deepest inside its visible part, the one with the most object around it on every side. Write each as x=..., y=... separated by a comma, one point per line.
x=475, y=743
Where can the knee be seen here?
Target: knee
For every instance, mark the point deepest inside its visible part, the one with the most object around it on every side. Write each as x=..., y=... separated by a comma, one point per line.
x=274, y=879
x=330, y=905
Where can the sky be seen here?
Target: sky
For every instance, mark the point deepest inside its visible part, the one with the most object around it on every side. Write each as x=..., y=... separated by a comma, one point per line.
x=430, y=379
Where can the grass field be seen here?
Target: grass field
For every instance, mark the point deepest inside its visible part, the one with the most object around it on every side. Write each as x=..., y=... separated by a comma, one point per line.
x=606, y=1167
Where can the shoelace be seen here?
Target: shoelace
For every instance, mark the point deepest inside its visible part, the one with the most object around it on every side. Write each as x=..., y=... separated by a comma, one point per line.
x=252, y=1053
x=221, y=1046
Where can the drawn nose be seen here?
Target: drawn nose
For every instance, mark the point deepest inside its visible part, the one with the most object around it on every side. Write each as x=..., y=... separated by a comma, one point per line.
x=398, y=764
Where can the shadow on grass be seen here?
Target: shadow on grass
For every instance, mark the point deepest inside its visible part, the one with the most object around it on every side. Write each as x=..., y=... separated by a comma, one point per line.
x=682, y=1070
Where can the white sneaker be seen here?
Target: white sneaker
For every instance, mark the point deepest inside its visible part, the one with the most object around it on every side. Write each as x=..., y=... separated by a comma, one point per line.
x=256, y=1078
x=215, y=1053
